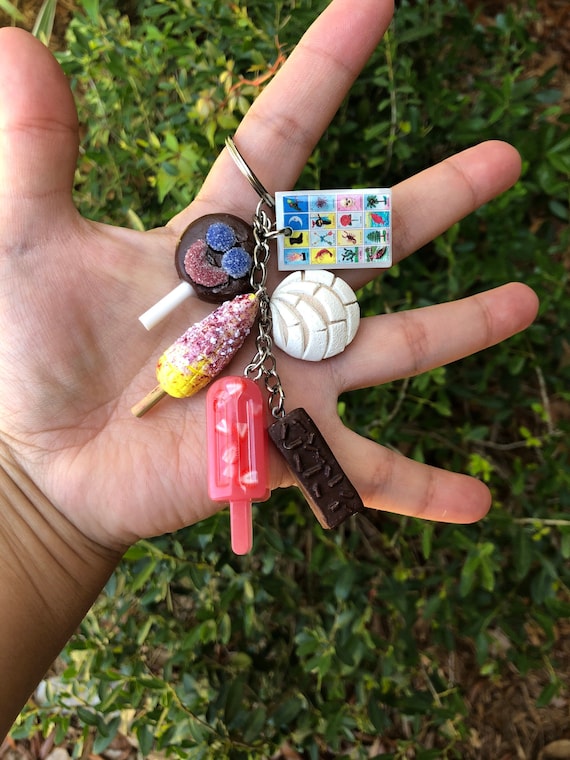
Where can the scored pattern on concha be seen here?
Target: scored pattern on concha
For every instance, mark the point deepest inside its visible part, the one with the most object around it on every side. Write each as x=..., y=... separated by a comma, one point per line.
x=315, y=315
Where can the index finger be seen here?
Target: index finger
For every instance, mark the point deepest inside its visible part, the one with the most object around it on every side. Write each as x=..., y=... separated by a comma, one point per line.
x=281, y=129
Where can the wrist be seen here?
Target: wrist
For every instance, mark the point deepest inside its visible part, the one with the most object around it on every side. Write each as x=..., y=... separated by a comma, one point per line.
x=50, y=574
x=40, y=538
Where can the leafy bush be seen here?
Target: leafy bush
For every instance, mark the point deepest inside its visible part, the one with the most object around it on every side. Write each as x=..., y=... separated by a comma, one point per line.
x=342, y=644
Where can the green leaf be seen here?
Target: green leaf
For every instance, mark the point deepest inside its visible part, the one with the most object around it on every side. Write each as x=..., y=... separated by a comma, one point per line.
x=145, y=738
x=165, y=182
x=234, y=700
x=104, y=738
x=87, y=715
x=345, y=582
x=255, y=724
x=427, y=536
x=43, y=26
x=468, y=575
x=307, y=643
x=140, y=550
x=541, y=587
x=487, y=575
x=287, y=711
x=378, y=716
x=91, y=8
x=548, y=693
x=523, y=553
x=559, y=210
x=565, y=544
x=320, y=664
x=11, y=10
x=144, y=631
x=143, y=575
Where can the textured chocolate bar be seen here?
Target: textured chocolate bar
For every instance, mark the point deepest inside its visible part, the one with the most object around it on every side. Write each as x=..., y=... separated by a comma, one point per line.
x=329, y=492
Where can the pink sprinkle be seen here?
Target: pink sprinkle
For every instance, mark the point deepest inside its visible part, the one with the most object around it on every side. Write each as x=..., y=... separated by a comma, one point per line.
x=216, y=338
x=199, y=268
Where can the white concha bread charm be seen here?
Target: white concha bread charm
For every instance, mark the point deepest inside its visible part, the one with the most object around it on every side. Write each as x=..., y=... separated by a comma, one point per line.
x=315, y=315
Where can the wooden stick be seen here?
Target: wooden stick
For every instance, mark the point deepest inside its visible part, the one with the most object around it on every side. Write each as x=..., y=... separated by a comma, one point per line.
x=145, y=404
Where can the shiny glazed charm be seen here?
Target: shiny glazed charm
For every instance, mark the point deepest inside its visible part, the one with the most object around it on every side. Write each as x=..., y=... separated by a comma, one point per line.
x=327, y=489
x=214, y=255
x=213, y=259
x=238, y=470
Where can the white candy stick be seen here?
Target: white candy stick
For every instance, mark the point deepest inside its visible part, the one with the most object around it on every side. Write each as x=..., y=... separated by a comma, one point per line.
x=162, y=308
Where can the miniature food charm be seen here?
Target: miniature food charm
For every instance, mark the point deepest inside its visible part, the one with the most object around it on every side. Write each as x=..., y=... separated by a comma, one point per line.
x=238, y=470
x=315, y=315
x=206, y=348
x=213, y=258
x=202, y=352
x=328, y=491
x=214, y=255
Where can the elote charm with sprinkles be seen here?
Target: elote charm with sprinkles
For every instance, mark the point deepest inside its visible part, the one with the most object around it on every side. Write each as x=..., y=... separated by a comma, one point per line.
x=202, y=352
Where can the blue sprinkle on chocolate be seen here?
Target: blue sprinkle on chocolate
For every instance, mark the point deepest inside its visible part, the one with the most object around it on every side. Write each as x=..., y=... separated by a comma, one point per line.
x=236, y=262
x=220, y=236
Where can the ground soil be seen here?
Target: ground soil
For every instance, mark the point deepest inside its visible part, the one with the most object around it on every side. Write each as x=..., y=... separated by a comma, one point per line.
x=29, y=10
x=504, y=720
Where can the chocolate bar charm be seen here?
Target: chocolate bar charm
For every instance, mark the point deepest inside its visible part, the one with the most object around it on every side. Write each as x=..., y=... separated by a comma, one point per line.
x=328, y=491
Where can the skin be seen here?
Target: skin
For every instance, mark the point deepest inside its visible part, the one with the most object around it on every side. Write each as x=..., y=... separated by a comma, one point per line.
x=80, y=478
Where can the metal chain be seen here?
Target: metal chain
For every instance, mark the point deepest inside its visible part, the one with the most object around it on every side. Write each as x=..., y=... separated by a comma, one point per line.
x=263, y=364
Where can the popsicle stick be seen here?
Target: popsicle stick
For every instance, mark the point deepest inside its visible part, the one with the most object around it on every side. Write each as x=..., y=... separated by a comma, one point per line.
x=241, y=527
x=145, y=404
x=166, y=305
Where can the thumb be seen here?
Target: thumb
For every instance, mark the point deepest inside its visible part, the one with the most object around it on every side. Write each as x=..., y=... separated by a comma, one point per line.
x=38, y=140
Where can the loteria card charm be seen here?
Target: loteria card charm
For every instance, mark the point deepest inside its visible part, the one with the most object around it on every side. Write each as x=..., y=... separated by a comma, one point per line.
x=334, y=229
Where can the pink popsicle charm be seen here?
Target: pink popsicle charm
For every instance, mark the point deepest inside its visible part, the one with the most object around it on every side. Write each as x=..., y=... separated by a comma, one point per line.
x=237, y=452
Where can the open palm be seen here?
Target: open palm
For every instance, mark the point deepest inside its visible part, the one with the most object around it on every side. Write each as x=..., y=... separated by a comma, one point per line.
x=74, y=359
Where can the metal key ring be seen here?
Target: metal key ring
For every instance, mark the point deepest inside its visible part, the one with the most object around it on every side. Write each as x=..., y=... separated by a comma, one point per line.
x=248, y=174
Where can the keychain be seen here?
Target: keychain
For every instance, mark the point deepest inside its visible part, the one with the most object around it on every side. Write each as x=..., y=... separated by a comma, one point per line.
x=312, y=315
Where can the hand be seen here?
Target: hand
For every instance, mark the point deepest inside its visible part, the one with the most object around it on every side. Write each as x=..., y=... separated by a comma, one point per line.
x=74, y=359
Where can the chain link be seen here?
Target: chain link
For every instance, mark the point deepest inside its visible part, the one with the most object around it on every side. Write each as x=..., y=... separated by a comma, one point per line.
x=263, y=364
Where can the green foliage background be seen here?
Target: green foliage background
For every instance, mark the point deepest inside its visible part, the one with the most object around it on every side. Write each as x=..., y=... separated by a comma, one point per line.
x=327, y=640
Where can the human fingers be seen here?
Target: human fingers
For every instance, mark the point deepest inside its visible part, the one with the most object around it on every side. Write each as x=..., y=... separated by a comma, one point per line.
x=427, y=204
x=392, y=346
x=430, y=202
x=38, y=139
x=406, y=343
x=286, y=121
x=389, y=481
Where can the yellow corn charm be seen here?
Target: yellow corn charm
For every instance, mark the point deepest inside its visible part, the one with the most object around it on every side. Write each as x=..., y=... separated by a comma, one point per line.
x=202, y=352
